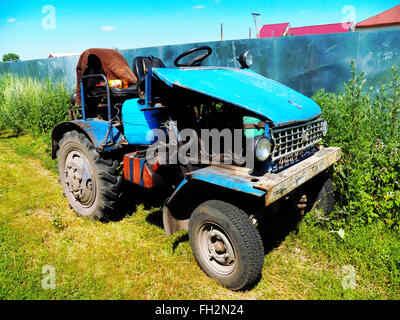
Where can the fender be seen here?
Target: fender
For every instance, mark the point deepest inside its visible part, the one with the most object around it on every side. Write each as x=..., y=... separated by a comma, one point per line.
x=237, y=180
x=98, y=132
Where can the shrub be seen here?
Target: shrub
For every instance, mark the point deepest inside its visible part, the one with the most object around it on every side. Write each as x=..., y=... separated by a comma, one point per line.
x=366, y=124
x=31, y=106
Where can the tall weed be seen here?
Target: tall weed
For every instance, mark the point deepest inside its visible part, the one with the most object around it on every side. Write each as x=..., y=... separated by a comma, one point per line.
x=365, y=122
x=31, y=106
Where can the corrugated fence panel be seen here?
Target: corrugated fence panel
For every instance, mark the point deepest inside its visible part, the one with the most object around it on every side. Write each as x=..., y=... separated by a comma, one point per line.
x=304, y=63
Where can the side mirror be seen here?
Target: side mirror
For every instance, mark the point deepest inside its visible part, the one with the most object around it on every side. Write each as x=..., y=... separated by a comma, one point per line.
x=246, y=59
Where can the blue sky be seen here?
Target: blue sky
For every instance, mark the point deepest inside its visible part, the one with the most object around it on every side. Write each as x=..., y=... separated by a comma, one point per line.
x=27, y=27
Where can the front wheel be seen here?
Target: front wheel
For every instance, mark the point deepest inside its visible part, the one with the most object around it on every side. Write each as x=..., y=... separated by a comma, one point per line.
x=226, y=244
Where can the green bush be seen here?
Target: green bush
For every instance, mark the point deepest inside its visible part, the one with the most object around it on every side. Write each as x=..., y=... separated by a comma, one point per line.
x=31, y=106
x=366, y=124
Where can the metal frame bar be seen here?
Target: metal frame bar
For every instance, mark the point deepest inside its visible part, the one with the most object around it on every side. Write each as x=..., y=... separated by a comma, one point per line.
x=109, y=131
x=148, y=95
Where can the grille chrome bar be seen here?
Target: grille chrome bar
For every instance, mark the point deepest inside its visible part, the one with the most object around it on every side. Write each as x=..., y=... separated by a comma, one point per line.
x=296, y=139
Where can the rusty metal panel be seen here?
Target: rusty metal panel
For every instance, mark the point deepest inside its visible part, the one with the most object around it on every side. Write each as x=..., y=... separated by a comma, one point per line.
x=171, y=224
x=278, y=185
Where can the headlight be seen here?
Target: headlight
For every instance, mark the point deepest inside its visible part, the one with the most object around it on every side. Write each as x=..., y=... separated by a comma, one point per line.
x=262, y=148
x=246, y=59
x=72, y=99
x=324, y=128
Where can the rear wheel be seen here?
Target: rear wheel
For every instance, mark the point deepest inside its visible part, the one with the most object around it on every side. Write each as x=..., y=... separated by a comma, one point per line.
x=226, y=244
x=90, y=182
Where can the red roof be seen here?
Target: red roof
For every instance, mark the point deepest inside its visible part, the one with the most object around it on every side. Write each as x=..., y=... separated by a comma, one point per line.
x=387, y=18
x=273, y=30
x=321, y=29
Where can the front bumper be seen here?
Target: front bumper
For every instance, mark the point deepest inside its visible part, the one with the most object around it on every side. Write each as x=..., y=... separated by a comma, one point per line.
x=278, y=185
x=272, y=185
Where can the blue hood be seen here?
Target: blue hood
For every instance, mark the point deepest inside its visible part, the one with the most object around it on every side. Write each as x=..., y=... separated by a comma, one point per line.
x=246, y=89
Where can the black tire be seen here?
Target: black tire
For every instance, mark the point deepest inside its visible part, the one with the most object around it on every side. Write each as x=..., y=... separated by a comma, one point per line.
x=325, y=199
x=217, y=229
x=91, y=183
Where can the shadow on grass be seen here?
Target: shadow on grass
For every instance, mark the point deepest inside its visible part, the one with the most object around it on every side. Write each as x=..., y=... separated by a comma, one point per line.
x=8, y=136
x=151, y=199
x=275, y=222
x=135, y=195
x=156, y=218
x=183, y=238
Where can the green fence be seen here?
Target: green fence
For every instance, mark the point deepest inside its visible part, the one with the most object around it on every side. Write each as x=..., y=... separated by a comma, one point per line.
x=304, y=63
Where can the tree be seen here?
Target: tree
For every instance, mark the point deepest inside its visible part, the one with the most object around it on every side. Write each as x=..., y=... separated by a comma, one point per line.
x=10, y=57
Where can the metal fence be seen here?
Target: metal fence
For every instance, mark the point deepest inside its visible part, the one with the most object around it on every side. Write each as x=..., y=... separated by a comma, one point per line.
x=304, y=63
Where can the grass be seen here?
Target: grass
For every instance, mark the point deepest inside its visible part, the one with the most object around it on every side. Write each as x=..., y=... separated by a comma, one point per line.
x=132, y=258
x=31, y=106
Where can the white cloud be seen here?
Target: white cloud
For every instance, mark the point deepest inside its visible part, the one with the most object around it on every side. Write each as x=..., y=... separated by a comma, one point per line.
x=198, y=7
x=108, y=28
x=11, y=20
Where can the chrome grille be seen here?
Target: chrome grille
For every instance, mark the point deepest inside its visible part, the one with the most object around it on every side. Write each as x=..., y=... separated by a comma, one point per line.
x=291, y=142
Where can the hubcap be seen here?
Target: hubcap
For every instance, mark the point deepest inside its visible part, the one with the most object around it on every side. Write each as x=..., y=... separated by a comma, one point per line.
x=217, y=249
x=79, y=178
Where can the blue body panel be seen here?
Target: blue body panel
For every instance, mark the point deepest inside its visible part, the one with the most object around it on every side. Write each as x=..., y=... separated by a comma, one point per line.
x=221, y=177
x=138, y=124
x=97, y=130
x=228, y=179
x=244, y=88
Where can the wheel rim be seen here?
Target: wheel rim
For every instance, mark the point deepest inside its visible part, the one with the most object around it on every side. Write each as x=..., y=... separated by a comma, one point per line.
x=217, y=249
x=79, y=178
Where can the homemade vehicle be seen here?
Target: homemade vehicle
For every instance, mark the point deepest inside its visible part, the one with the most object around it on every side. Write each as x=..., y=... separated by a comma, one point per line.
x=214, y=194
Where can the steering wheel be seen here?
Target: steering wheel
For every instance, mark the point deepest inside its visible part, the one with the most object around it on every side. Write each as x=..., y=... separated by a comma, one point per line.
x=197, y=60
